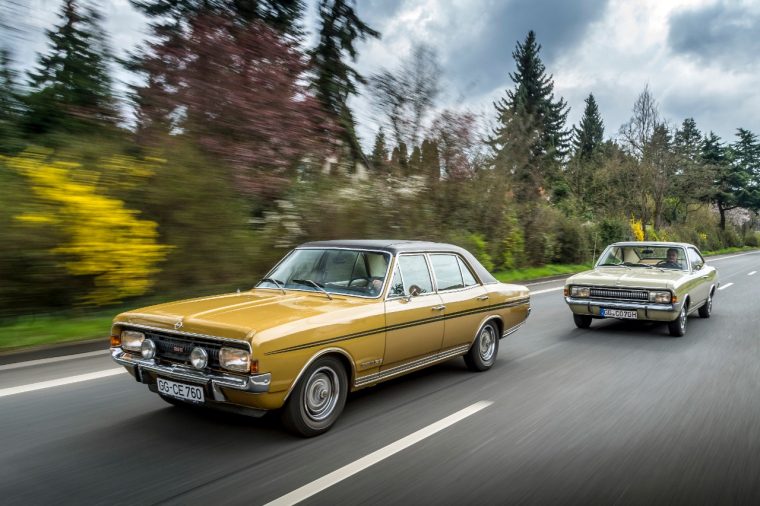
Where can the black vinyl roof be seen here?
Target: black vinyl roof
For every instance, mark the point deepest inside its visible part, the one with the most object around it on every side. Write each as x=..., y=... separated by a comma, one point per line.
x=399, y=246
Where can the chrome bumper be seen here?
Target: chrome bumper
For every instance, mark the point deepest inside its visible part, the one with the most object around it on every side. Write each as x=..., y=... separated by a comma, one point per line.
x=621, y=305
x=258, y=383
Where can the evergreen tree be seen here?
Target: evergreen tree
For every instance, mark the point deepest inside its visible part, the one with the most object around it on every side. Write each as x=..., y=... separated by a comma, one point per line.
x=590, y=135
x=380, y=151
x=430, y=163
x=727, y=184
x=530, y=139
x=72, y=85
x=335, y=79
x=415, y=160
x=10, y=107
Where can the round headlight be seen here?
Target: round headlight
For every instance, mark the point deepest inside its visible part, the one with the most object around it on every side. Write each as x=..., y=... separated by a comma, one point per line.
x=199, y=358
x=148, y=348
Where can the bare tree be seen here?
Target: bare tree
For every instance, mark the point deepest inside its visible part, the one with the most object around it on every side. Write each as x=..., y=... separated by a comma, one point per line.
x=637, y=134
x=406, y=95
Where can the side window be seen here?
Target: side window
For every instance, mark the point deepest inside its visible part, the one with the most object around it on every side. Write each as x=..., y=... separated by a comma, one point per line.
x=397, y=284
x=469, y=279
x=447, y=273
x=414, y=270
x=696, y=259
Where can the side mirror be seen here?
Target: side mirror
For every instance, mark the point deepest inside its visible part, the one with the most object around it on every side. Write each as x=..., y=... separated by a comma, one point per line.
x=414, y=291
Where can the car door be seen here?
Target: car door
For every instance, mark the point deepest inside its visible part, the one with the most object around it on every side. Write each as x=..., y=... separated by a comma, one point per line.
x=463, y=297
x=703, y=275
x=414, y=323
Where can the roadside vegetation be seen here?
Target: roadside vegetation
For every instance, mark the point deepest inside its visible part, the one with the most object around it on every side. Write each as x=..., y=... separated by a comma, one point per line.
x=241, y=144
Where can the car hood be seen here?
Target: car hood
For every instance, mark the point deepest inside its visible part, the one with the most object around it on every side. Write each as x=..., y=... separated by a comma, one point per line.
x=239, y=315
x=624, y=277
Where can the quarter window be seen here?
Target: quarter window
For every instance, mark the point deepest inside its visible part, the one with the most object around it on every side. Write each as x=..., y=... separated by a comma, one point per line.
x=447, y=273
x=696, y=259
x=414, y=270
x=469, y=279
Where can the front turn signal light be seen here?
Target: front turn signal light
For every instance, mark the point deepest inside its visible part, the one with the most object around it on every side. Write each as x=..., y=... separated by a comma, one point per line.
x=115, y=341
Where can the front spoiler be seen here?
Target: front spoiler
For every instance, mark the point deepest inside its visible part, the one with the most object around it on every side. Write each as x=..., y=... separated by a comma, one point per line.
x=257, y=383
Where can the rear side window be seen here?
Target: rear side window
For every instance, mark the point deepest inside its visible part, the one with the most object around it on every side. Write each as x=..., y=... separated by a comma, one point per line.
x=414, y=271
x=469, y=279
x=696, y=259
x=447, y=273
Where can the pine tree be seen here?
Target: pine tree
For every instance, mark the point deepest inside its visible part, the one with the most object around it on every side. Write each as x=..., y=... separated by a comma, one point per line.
x=589, y=137
x=530, y=140
x=380, y=151
x=727, y=184
x=415, y=160
x=430, y=163
x=10, y=107
x=72, y=85
x=335, y=79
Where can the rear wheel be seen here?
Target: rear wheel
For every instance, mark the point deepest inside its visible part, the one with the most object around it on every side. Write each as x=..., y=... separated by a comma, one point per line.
x=582, y=321
x=318, y=399
x=706, y=309
x=482, y=354
x=677, y=327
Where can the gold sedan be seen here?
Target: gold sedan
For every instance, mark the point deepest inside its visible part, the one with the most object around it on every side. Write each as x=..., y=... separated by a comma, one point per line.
x=331, y=317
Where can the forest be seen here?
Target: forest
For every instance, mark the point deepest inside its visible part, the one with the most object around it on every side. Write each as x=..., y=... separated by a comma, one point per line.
x=239, y=143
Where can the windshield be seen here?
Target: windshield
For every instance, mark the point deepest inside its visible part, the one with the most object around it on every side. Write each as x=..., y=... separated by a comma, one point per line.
x=664, y=257
x=348, y=272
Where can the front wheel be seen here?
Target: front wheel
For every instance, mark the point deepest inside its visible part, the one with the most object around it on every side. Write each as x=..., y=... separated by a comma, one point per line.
x=582, y=321
x=677, y=327
x=318, y=399
x=482, y=354
x=706, y=308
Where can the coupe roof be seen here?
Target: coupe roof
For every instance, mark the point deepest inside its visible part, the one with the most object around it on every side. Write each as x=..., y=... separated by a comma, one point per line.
x=655, y=244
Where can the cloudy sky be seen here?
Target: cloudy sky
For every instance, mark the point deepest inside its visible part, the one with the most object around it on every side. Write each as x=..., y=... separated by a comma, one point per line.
x=700, y=58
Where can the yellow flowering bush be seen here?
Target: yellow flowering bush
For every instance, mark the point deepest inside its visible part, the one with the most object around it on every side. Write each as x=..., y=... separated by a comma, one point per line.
x=637, y=229
x=104, y=239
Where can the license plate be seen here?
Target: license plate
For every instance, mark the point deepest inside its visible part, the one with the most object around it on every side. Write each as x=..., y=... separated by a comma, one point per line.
x=190, y=393
x=619, y=313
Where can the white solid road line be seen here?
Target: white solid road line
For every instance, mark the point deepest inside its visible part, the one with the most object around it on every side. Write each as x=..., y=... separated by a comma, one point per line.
x=349, y=470
x=5, y=392
x=730, y=256
x=30, y=363
x=752, y=273
x=547, y=290
x=725, y=286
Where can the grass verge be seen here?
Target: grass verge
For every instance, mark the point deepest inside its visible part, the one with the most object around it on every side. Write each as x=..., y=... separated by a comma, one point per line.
x=545, y=271
x=39, y=330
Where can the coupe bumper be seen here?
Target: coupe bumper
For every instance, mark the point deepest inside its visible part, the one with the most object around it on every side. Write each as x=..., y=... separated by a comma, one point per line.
x=213, y=382
x=646, y=311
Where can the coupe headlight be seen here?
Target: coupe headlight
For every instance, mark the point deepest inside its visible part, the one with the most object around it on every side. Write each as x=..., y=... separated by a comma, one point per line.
x=234, y=359
x=580, y=291
x=132, y=340
x=660, y=297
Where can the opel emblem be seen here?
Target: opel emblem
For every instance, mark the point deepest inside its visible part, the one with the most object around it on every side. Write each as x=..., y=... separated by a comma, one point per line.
x=178, y=325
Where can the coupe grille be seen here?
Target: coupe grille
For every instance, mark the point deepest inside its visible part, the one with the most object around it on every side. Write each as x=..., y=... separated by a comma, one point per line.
x=613, y=293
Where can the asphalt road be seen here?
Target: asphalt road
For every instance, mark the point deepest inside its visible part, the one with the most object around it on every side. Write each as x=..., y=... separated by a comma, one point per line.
x=620, y=413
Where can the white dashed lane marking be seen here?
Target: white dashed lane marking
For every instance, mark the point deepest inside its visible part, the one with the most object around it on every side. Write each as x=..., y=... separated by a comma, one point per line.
x=725, y=286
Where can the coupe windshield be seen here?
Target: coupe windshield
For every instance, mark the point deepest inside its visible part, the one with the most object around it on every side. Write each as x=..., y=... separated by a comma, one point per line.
x=664, y=257
x=348, y=272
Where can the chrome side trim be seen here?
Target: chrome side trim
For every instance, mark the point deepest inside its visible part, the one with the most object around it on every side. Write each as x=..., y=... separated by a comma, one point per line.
x=186, y=334
x=411, y=366
x=621, y=305
x=512, y=330
x=257, y=383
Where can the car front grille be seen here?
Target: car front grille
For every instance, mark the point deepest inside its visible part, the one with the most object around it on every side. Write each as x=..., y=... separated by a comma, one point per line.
x=615, y=293
x=177, y=348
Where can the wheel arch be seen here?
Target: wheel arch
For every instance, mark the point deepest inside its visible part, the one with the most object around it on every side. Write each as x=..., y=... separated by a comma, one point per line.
x=342, y=355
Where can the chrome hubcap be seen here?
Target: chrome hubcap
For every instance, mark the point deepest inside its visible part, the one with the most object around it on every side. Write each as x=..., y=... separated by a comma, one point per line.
x=487, y=343
x=709, y=304
x=683, y=318
x=321, y=394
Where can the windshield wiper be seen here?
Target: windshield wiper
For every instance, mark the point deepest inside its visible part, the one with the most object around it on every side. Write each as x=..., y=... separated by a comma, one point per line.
x=309, y=282
x=275, y=282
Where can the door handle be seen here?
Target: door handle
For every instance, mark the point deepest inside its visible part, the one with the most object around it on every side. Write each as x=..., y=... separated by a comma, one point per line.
x=439, y=308
x=483, y=297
